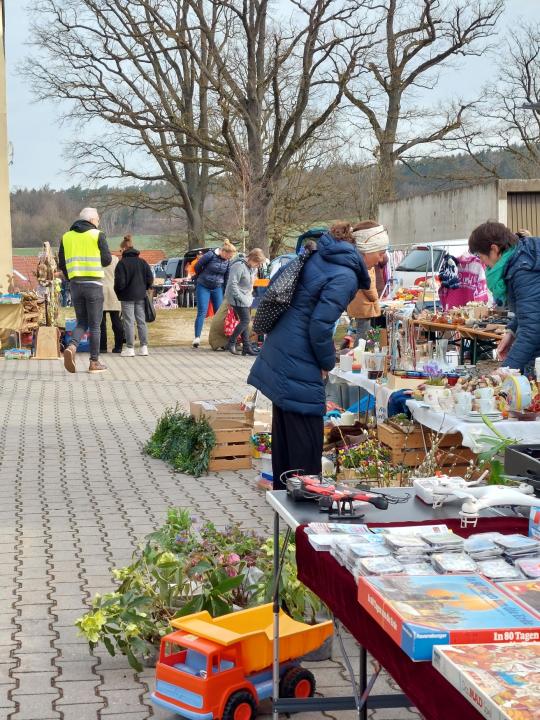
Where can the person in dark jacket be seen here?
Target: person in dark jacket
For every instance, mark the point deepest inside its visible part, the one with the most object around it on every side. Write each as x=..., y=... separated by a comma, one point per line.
x=82, y=256
x=513, y=277
x=211, y=272
x=132, y=280
x=300, y=350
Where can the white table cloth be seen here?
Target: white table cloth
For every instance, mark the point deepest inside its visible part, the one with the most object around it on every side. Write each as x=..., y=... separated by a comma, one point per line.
x=380, y=392
x=441, y=422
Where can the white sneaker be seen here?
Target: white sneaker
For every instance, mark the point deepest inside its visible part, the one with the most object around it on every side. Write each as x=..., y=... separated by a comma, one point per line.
x=128, y=352
x=143, y=350
x=196, y=342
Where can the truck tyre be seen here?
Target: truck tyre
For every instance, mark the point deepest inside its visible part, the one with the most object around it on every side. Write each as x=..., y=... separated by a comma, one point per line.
x=240, y=706
x=297, y=683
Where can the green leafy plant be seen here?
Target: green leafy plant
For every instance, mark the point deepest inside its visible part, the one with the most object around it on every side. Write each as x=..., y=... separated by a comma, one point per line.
x=298, y=600
x=492, y=455
x=183, y=441
x=180, y=569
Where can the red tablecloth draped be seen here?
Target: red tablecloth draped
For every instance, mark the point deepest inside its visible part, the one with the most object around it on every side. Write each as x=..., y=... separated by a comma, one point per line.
x=435, y=698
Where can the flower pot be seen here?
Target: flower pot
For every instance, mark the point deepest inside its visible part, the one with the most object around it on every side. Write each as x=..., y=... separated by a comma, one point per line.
x=322, y=653
x=266, y=463
x=434, y=394
x=149, y=659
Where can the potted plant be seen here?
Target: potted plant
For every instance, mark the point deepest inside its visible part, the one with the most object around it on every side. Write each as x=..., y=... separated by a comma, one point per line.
x=436, y=389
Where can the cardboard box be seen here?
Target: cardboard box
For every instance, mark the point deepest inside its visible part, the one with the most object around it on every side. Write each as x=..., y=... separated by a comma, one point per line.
x=498, y=680
x=396, y=382
x=215, y=410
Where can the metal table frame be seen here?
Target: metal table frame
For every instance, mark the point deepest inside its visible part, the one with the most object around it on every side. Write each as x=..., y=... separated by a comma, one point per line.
x=361, y=687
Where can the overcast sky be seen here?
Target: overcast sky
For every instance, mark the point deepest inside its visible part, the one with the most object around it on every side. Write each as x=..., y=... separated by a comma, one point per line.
x=38, y=139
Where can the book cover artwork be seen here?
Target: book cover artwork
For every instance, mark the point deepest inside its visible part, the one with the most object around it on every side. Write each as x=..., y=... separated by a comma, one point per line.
x=526, y=592
x=501, y=681
x=420, y=612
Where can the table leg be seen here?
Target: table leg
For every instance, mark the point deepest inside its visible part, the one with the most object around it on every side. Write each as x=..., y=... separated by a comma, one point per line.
x=275, y=660
x=362, y=679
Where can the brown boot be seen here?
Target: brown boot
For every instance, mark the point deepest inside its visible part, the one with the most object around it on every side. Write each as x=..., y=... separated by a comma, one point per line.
x=69, y=358
x=96, y=366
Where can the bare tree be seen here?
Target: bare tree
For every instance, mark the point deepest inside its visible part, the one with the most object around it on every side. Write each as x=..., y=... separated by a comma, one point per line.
x=114, y=64
x=275, y=84
x=502, y=135
x=415, y=40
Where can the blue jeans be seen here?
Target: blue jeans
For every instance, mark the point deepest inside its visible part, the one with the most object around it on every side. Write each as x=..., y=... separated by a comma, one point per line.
x=204, y=295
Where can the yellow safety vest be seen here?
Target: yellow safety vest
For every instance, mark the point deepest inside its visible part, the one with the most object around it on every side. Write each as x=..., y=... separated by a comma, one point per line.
x=81, y=251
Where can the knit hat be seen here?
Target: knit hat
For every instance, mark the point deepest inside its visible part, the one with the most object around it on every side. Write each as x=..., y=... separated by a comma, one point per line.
x=374, y=239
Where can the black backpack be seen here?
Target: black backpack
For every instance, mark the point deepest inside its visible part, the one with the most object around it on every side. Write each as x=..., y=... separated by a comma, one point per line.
x=279, y=295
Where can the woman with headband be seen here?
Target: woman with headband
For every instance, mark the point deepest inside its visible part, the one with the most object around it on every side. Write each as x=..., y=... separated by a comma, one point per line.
x=372, y=241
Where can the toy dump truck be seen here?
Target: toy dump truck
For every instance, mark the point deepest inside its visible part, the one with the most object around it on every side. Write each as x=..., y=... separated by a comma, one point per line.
x=221, y=668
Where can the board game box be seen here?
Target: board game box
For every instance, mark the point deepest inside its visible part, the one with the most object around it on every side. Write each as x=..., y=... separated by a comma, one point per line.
x=526, y=592
x=501, y=681
x=419, y=612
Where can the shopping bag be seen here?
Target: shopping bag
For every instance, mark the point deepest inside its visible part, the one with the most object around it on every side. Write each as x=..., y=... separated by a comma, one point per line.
x=149, y=310
x=230, y=322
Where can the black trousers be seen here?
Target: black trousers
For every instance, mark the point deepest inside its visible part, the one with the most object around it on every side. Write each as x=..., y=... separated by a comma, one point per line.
x=87, y=299
x=241, y=330
x=297, y=443
x=118, y=330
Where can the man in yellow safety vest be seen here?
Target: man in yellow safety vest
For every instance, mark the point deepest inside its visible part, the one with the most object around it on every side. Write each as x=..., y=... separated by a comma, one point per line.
x=82, y=256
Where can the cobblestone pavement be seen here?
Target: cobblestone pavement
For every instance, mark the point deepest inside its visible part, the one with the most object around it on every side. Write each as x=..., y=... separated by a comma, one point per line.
x=76, y=496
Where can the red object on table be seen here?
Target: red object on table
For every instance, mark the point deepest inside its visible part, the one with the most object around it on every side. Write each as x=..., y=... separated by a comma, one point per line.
x=427, y=689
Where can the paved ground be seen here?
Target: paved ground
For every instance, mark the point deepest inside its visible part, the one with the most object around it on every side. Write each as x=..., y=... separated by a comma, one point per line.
x=76, y=496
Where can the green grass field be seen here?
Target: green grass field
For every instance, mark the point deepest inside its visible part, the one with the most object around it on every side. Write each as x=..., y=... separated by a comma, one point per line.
x=142, y=242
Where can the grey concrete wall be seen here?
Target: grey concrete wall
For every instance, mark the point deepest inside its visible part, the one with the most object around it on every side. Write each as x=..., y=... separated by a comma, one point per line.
x=450, y=215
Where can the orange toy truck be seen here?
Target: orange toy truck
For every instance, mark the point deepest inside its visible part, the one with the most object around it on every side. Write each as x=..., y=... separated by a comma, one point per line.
x=221, y=668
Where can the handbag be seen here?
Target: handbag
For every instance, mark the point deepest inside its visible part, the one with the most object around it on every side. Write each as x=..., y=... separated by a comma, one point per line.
x=149, y=310
x=279, y=295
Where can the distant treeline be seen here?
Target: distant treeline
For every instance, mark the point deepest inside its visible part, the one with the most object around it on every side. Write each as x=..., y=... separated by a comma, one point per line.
x=334, y=191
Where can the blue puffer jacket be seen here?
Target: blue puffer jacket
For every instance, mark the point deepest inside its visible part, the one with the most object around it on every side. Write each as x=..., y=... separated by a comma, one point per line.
x=288, y=368
x=522, y=278
x=212, y=270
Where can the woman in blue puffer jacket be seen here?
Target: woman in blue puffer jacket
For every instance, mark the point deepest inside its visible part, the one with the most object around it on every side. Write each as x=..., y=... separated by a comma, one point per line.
x=211, y=272
x=513, y=277
x=300, y=350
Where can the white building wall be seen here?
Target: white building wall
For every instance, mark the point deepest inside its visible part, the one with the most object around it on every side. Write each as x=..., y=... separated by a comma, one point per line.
x=442, y=216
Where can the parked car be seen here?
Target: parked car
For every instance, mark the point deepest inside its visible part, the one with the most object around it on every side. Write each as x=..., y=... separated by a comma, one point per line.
x=176, y=266
x=281, y=260
x=416, y=266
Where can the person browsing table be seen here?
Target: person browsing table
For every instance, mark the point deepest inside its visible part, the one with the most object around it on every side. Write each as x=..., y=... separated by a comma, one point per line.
x=299, y=351
x=513, y=278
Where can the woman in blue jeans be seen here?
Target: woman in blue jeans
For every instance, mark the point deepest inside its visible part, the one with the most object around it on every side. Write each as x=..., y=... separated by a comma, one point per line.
x=211, y=273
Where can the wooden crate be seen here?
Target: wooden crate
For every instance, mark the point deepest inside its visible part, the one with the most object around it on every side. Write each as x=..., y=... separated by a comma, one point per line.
x=412, y=457
x=408, y=448
x=233, y=448
x=396, y=438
